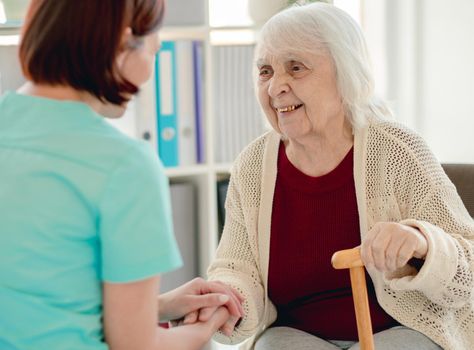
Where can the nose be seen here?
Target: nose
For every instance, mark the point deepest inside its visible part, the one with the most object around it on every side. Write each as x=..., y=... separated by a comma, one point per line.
x=278, y=85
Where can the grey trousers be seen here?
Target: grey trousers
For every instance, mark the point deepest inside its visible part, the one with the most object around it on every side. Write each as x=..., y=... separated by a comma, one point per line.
x=396, y=338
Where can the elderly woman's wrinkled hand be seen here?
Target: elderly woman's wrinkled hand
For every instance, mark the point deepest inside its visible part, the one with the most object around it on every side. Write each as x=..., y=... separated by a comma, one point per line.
x=389, y=246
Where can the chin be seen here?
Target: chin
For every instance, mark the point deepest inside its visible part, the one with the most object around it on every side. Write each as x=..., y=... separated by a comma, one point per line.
x=294, y=133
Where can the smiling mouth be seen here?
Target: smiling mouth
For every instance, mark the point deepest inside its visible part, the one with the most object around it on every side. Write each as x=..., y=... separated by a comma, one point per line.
x=288, y=108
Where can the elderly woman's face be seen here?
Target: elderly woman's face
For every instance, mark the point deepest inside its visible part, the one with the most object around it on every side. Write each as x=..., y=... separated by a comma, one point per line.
x=299, y=93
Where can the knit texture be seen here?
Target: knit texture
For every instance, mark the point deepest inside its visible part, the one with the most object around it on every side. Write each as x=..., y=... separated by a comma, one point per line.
x=397, y=179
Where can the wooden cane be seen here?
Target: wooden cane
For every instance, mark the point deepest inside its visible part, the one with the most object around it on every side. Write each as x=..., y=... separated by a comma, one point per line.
x=350, y=259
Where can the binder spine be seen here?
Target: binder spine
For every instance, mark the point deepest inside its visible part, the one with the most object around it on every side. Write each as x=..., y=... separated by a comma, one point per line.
x=166, y=98
x=186, y=103
x=199, y=99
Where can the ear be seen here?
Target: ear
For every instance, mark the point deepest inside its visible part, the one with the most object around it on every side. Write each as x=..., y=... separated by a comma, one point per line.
x=126, y=40
x=124, y=48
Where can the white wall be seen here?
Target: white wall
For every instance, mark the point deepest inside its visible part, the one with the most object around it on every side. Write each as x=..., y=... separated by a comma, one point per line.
x=11, y=76
x=447, y=78
x=423, y=54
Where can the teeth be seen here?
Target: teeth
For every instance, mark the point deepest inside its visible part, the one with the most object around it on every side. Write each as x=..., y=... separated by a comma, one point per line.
x=287, y=109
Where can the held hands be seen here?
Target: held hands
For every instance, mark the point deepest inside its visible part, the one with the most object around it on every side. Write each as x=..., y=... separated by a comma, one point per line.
x=389, y=246
x=203, y=331
x=203, y=301
x=206, y=313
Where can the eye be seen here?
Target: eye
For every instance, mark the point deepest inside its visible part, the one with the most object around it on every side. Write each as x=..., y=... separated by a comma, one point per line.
x=265, y=72
x=296, y=68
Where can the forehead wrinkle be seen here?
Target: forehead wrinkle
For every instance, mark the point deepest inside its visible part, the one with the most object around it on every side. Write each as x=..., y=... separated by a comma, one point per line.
x=290, y=52
x=284, y=58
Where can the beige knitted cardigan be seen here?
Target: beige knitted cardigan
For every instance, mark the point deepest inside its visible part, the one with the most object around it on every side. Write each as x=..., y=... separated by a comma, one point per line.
x=397, y=179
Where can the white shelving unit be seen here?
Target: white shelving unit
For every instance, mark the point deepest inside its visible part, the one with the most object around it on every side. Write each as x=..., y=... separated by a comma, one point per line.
x=203, y=176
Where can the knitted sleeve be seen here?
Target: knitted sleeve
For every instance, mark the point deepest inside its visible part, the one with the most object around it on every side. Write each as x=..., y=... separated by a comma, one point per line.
x=428, y=200
x=235, y=263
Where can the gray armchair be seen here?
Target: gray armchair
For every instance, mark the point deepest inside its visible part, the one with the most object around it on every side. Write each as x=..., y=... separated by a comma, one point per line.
x=462, y=176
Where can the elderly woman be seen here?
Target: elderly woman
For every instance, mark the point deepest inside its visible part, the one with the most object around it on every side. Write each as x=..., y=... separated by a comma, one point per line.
x=333, y=174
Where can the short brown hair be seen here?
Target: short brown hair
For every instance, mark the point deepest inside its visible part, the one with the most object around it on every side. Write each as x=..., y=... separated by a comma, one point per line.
x=75, y=42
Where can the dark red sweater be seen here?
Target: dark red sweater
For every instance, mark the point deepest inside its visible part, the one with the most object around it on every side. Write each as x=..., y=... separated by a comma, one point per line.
x=312, y=218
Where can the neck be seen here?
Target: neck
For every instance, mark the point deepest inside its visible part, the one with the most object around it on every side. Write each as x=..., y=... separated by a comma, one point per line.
x=62, y=93
x=320, y=153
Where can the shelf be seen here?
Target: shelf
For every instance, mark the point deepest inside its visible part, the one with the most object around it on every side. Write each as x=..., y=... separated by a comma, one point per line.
x=223, y=168
x=234, y=28
x=184, y=171
x=180, y=171
x=177, y=33
x=12, y=26
x=240, y=36
x=9, y=39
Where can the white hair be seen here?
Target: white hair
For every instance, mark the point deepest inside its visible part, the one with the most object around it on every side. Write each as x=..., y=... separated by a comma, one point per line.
x=320, y=26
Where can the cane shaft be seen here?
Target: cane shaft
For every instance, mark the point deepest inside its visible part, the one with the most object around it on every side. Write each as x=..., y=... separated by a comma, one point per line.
x=361, y=305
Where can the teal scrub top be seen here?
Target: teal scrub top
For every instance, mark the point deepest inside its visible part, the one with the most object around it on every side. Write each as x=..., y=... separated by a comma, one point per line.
x=80, y=203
